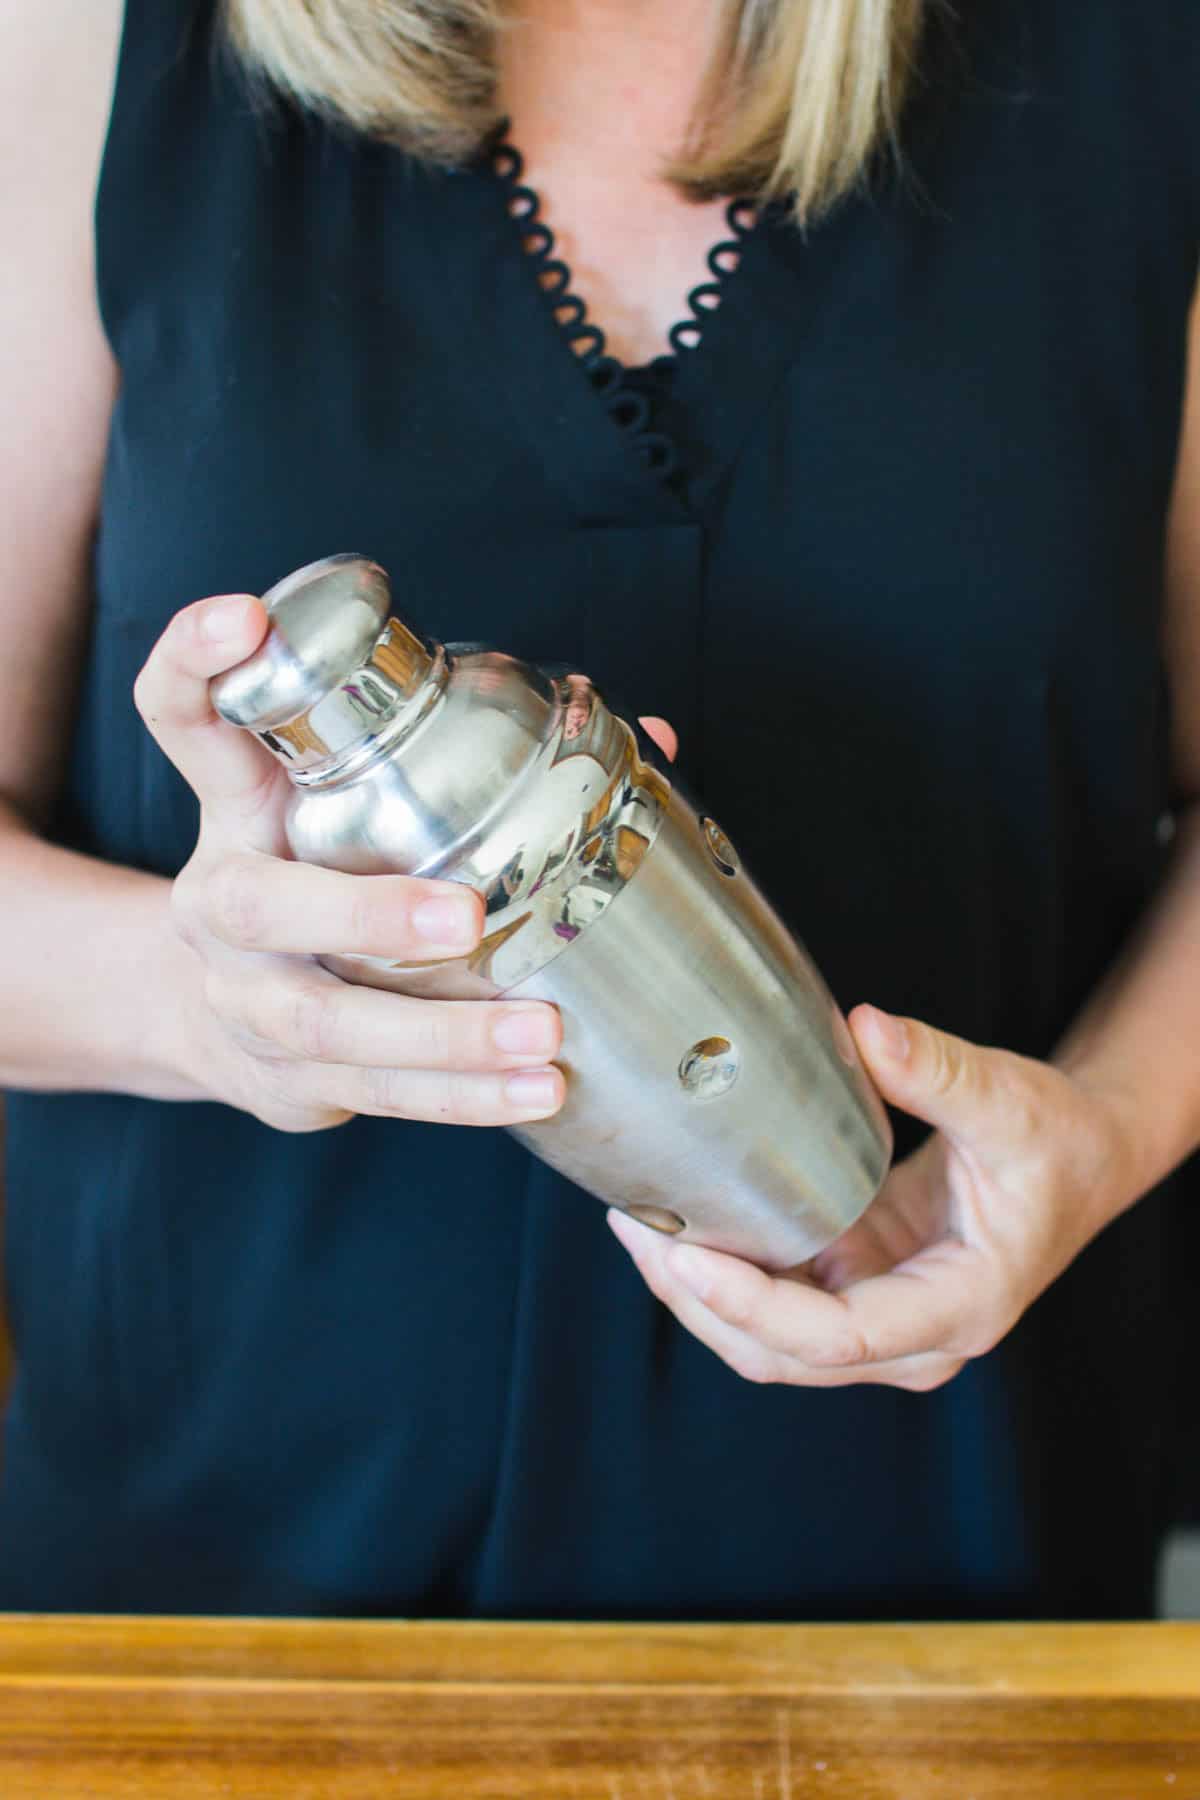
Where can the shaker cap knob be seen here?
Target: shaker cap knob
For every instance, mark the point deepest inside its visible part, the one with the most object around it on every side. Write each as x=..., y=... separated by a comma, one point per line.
x=332, y=670
x=325, y=619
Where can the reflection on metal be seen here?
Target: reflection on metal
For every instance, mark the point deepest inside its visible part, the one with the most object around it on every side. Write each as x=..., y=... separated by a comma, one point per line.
x=657, y=1218
x=719, y=847
x=710, y=1068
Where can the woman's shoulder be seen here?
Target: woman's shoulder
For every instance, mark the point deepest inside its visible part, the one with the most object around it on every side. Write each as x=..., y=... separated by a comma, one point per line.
x=56, y=54
x=57, y=69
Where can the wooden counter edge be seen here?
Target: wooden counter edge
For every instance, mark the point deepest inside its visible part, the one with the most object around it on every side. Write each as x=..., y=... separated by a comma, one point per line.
x=1149, y=1660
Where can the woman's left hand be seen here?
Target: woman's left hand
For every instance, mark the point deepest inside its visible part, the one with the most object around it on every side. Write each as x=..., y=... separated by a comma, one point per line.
x=1024, y=1166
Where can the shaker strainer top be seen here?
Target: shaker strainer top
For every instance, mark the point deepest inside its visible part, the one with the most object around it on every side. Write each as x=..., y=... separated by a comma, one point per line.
x=333, y=671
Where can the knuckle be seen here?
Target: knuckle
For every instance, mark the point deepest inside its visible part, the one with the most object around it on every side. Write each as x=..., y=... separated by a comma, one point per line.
x=290, y=1099
x=846, y=1350
x=373, y=926
x=439, y=1038
x=249, y=1012
x=460, y=1103
x=945, y=1063
x=233, y=903
x=217, y=994
x=360, y=918
x=383, y=1091
x=299, y=1120
x=312, y=1022
x=733, y=1304
x=185, y=907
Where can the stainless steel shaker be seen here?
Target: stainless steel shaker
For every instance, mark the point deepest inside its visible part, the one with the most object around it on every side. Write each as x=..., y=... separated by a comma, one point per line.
x=713, y=1088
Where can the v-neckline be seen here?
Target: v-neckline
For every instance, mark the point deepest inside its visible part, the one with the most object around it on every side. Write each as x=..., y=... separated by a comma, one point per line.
x=526, y=302
x=585, y=337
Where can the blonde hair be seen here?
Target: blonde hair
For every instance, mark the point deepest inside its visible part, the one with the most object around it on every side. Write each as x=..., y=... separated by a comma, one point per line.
x=797, y=97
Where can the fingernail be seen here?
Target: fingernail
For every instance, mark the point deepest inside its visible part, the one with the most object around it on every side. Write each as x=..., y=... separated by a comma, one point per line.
x=223, y=619
x=448, y=921
x=534, y=1091
x=527, y=1032
x=892, y=1034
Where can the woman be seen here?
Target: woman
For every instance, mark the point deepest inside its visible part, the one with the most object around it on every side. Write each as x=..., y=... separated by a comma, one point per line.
x=902, y=537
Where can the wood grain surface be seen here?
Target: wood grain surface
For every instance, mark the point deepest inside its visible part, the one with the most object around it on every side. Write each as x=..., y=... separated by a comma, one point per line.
x=100, y=1708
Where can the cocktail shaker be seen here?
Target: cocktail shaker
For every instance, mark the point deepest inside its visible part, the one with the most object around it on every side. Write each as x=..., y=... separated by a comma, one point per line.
x=712, y=1086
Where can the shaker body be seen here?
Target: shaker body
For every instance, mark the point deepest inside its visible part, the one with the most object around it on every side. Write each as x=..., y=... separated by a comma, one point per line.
x=713, y=1087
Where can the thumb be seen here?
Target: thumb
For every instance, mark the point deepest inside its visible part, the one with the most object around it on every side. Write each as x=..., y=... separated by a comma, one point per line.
x=224, y=768
x=944, y=1080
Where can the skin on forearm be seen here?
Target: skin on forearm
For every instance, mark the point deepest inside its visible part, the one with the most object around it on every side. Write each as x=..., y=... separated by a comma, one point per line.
x=94, y=976
x=1137, y=1042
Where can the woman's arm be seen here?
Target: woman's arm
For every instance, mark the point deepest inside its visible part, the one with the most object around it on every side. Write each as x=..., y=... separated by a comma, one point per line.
x=111, y=979
x=1139, y=1039
x=82, y=947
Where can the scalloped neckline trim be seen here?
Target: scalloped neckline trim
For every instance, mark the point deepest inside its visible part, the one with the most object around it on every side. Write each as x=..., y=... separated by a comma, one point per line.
x=629, y=410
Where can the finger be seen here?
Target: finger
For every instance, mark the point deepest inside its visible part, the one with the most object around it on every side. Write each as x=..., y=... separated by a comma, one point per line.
x=923, y=1307
x=664, y=735
x=226, y=770
x=317, y=1018
x=976, y=1096
x=791, y=1317
x=440, y=1097
x=747, y=1354
x=258, y=902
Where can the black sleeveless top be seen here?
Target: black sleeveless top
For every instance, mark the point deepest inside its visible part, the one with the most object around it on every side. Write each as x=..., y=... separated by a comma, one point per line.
x=889, y=526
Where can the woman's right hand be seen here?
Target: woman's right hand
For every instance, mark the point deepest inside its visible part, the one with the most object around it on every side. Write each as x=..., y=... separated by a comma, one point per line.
x=267, y=1029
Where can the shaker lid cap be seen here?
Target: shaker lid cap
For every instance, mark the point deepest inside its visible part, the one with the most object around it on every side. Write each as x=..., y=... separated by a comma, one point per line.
x=325, y=621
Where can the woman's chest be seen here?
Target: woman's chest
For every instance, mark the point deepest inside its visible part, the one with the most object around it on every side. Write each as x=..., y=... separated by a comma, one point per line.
x=600, y=102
